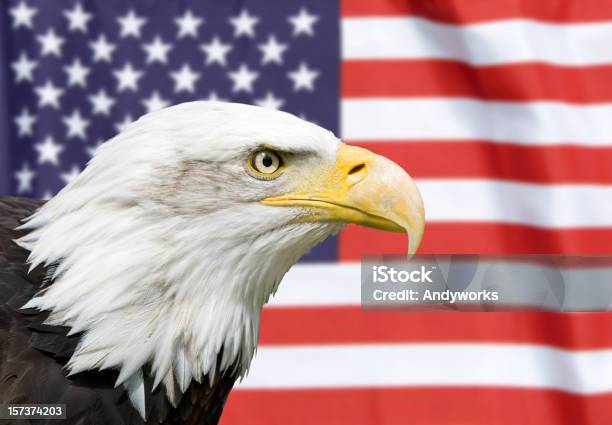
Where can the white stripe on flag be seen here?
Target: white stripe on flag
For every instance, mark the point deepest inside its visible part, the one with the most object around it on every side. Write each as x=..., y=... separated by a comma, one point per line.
x=323, y=284
x=491, y=43
x=339, y=284
x=380, y=365
x=533, y=123
x=549, y=206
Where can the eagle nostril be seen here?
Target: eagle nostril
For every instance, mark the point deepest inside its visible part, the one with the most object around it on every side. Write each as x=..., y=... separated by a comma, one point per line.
x=356, y=169
x=356, y=174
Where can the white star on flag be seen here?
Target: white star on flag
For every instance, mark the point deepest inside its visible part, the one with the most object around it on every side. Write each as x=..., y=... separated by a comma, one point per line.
x=155, y=102
x=214, y=97
x=77, y=18
x=184, y=79
x=272, y=51
x=270, y=101
x=25, y=121
x=131, y=24
x=127, y=78
x=243, y=79
x=188, y=24
x=24, y=68
x=24, y=178
x=101, y=103
x=51, y=43
x=76, y=125
x=102, y=49
x=22, y=15
x=303, y=22
x=77, y=73
x=244, y=24
x=49, y=94
x=303, y=78
x=216, y=51
x=157, y=50
x=48, y=151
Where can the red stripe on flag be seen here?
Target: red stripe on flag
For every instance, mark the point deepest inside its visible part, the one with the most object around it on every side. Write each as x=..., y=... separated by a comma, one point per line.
x=480, y=159
x=420, y=405
x=516, y=82
x=473, y=11
x=477, y=238
x=351, y=325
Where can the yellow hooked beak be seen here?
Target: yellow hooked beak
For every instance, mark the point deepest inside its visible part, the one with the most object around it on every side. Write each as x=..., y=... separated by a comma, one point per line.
x=362, y=188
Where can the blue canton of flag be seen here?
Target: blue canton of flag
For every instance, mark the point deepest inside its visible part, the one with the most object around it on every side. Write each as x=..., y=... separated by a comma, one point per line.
x=76, y=72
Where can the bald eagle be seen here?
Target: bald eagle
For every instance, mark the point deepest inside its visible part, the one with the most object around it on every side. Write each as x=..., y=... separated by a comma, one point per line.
x=134, y=295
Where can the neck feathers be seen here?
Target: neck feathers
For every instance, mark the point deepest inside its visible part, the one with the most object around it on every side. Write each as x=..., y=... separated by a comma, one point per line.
x=171, y=292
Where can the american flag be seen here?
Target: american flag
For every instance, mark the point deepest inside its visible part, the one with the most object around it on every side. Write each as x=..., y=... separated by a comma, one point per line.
x=500, y=110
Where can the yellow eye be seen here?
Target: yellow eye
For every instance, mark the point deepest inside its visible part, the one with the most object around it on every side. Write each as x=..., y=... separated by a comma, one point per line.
x=265, y=163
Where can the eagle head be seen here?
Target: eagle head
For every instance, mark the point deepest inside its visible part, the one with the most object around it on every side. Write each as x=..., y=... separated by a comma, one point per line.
x=163, y=251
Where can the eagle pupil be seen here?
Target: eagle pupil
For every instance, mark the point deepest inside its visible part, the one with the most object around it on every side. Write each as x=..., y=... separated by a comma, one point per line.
x=267, y=161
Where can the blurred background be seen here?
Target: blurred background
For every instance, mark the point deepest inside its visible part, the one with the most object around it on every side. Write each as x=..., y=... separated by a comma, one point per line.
x=500, y=109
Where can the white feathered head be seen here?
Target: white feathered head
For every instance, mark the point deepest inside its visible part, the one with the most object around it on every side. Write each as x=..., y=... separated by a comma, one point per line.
x=169, y=243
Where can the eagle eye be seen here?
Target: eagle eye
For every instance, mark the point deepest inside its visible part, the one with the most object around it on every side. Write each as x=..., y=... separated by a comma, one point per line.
x=265, y=164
